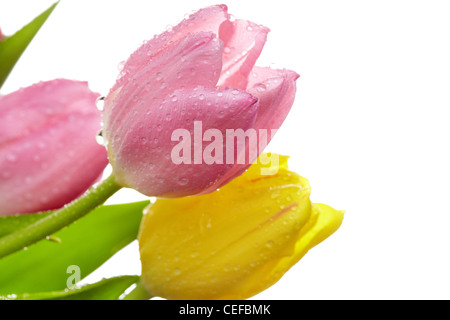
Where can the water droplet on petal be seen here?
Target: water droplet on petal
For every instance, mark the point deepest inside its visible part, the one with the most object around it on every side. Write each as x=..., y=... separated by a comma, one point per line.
x=6, y=175
x=99, y=138
x=183, y=181
x=11, y=158
x=121, y=65
x=261, y=87
x=227, y=50
x=159, y=76
x=201, y=96
x=100, y=103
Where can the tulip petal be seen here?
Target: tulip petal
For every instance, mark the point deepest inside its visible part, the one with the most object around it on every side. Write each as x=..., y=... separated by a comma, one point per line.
x=243, y=43
x=145, y=158
x=195, y=60
x=276, y=92
x=45, y=159
x=234, y=242
x=207, y=19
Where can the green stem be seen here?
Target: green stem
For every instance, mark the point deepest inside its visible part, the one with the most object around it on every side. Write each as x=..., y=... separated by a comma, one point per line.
x=138, y=293
x=59, y=218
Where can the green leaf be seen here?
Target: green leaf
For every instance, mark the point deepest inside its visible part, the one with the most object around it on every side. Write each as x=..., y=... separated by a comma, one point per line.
x=11, y=48
x=106, y=289
x=86, y=243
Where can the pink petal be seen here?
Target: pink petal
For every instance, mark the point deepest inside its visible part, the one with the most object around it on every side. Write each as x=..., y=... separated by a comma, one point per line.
x=144, y=160
x=191, y=61
x=243, y=43
x=276, y=92
x=205, y=20
x=45, y=159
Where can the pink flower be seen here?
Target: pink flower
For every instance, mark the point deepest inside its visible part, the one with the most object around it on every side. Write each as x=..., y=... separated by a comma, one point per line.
x=48, y=151
x=201, y=71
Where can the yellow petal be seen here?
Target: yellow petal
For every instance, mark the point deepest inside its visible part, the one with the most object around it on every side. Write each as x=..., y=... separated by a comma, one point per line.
x=235, y=242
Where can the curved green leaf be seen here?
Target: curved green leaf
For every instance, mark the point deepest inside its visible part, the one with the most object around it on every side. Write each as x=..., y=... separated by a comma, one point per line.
x=87, y=244
x=11, y=48
x=106, y=289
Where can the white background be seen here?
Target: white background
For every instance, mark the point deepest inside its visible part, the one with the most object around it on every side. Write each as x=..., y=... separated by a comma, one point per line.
x=369, y=127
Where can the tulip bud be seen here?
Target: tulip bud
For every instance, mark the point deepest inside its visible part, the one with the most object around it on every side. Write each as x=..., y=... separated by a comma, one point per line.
x=48, y=151
x=234, y=242
x=200, y=71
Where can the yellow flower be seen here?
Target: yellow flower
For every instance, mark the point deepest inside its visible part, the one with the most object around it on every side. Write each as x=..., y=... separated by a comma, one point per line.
x=235, y=242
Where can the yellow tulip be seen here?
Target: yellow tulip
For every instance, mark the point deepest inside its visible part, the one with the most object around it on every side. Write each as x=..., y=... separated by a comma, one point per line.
x=234, y=242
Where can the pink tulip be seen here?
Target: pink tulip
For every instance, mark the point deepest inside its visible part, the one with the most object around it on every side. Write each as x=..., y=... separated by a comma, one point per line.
x=48, y=150
x=200, y=71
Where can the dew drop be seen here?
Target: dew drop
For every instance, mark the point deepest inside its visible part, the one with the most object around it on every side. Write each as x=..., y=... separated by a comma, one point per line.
x=100, y=103
x=6, y=175
x=227, y=50
x=201, y=97
x=261, y=87
x=121, y=65
x=11, y=158
x=220, y=94
x=274, y=195
x=177, y=272
x=183, y=181
x=174, y=98
x=235, y=92
x=159, y=76
x=99, y=138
